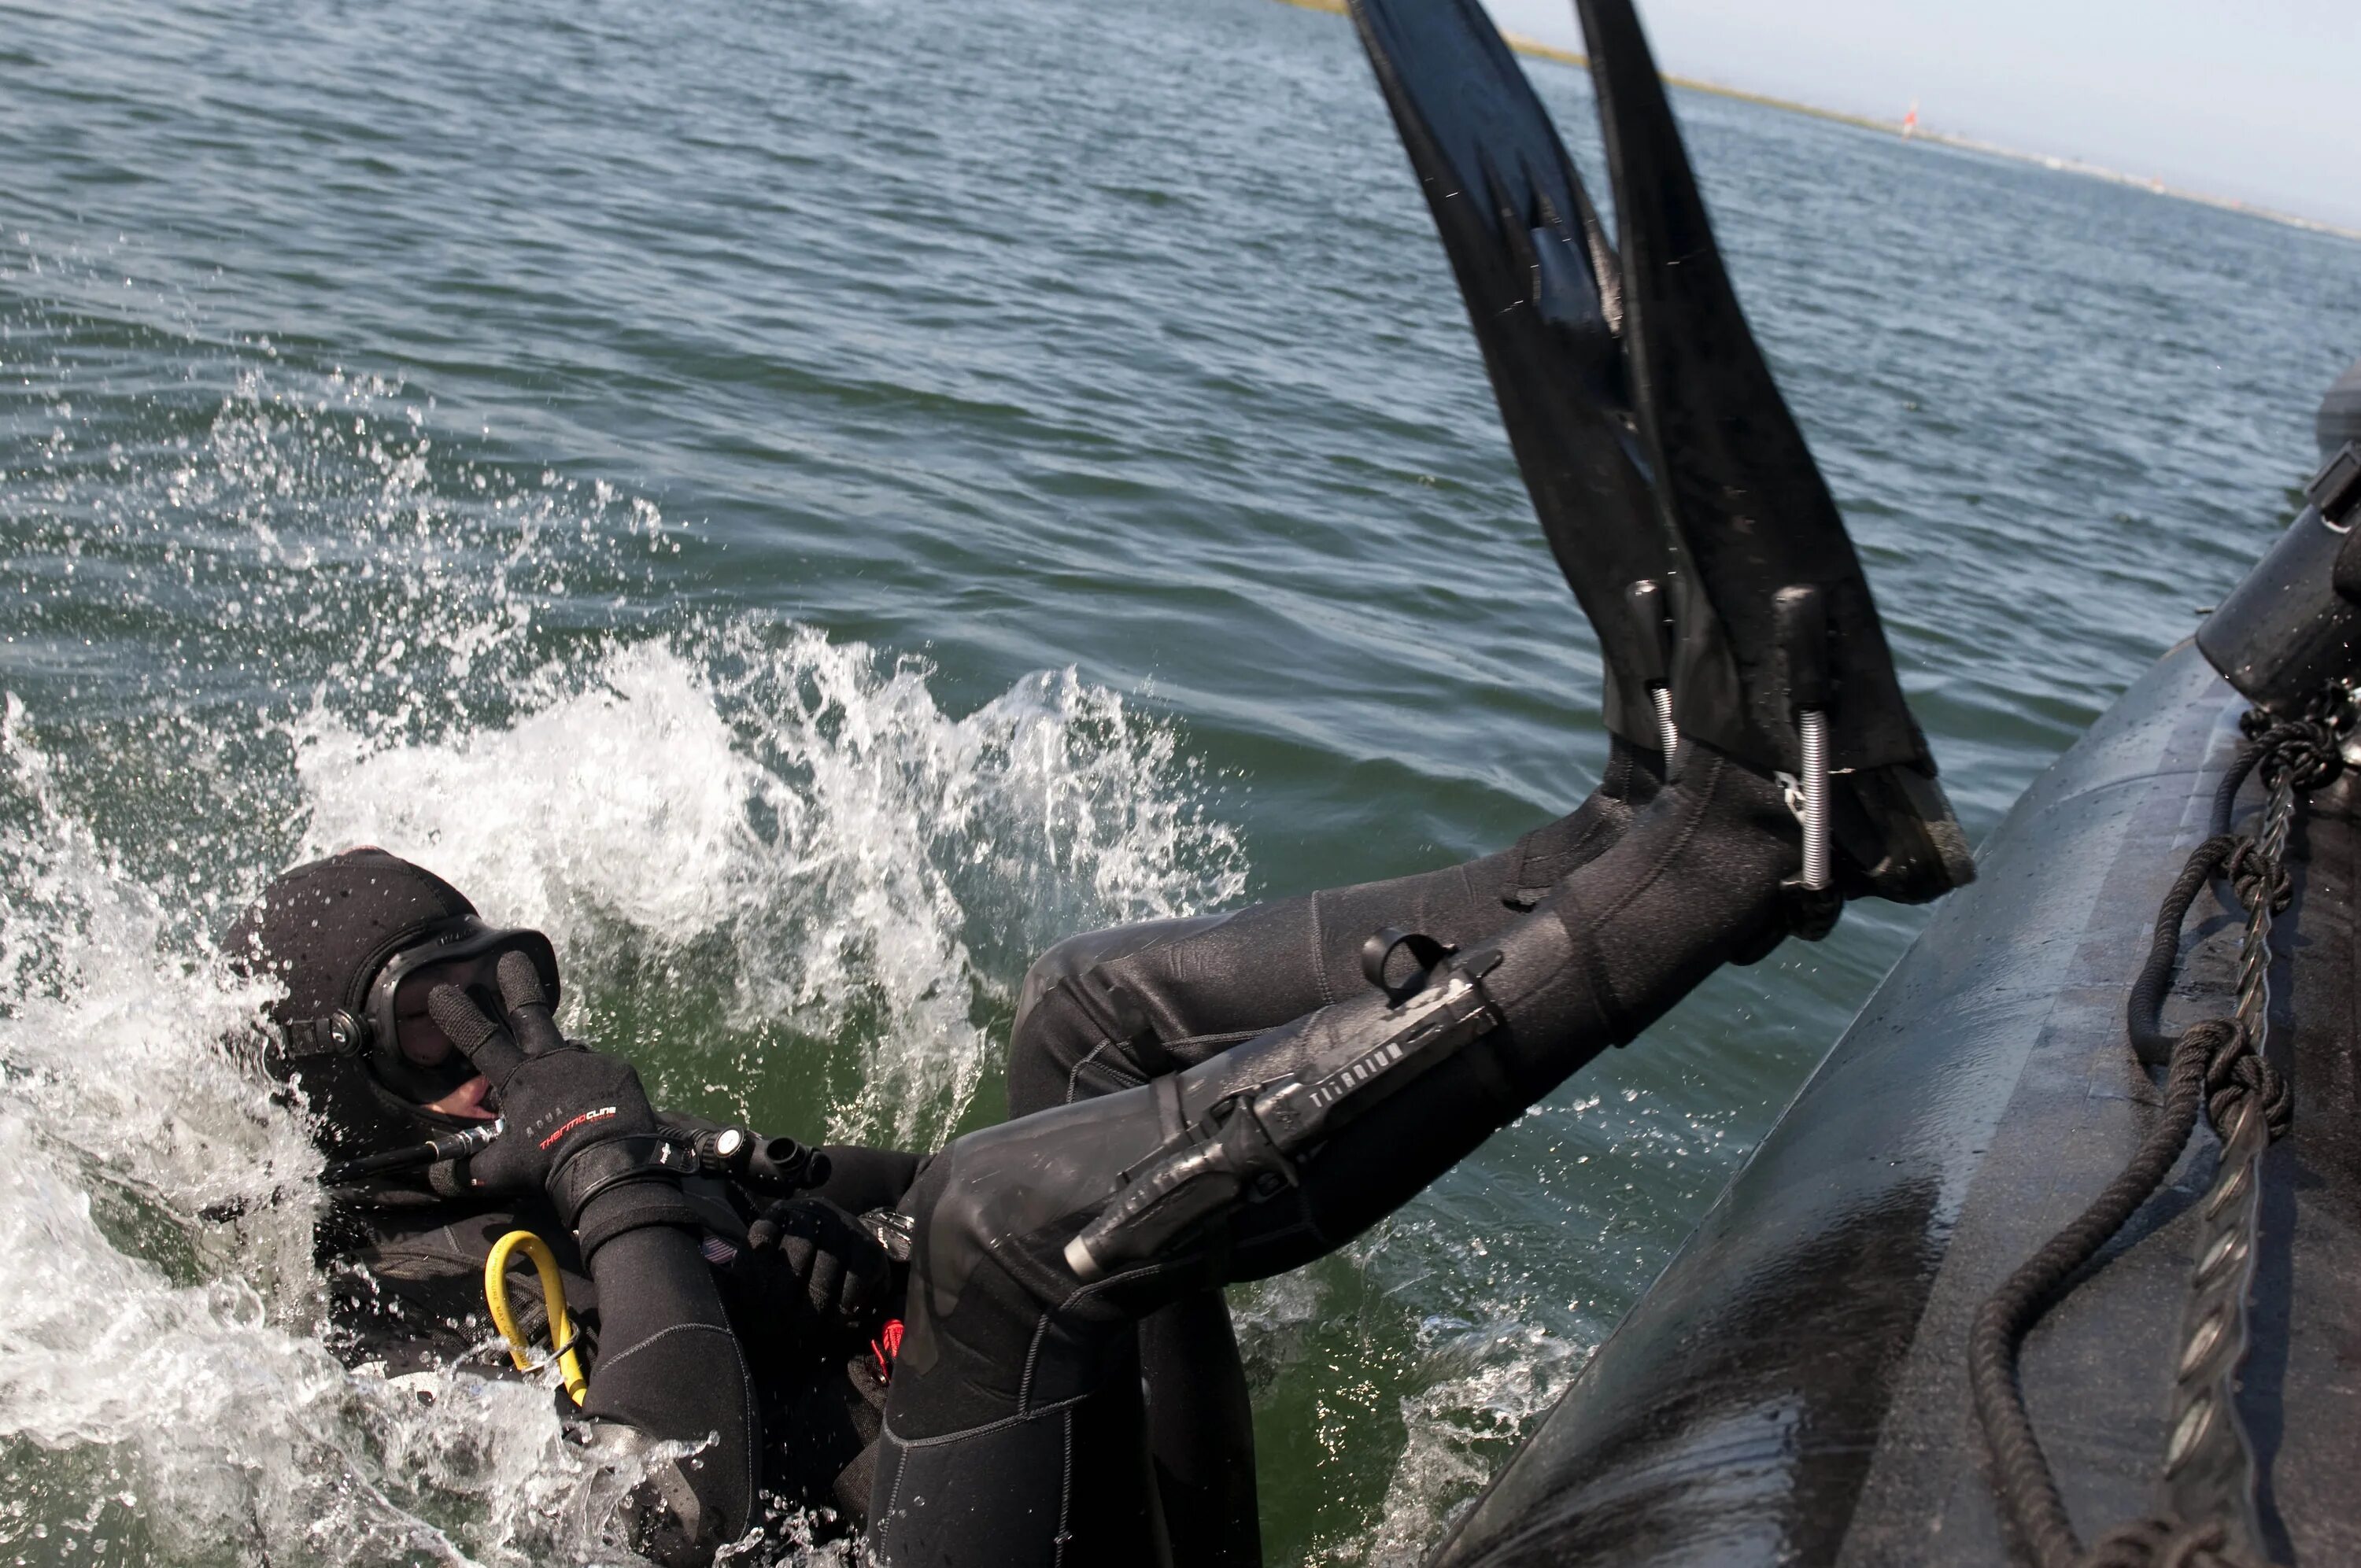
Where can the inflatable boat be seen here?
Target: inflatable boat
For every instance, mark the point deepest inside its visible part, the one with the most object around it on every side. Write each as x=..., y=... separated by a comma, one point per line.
x=1795, y=1388
x=2057, y=1257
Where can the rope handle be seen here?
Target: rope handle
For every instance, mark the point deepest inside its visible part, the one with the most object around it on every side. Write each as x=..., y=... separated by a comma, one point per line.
x=2215, y=1067
x=553, y=1294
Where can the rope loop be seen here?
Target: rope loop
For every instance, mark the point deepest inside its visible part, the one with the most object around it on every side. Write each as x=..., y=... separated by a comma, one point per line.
x=2304, y=750
x=2249, y=869
x=2234, y=1070
x=2213, y=1069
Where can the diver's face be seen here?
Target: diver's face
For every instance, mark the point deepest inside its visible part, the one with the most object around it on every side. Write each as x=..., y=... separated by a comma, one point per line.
x=467, y=1101
x=424, y=1042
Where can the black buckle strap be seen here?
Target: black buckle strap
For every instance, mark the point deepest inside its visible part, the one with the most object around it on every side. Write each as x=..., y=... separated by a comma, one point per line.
x=339, y=1034
x=593, y=1169
x=1426, y=956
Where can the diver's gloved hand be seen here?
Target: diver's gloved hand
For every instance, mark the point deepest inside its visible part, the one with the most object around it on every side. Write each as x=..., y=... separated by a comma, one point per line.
x=577, y=1125
x=823, y=1252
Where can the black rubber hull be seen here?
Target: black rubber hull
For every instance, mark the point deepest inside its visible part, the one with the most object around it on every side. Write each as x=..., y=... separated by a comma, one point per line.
x=1792, y=1388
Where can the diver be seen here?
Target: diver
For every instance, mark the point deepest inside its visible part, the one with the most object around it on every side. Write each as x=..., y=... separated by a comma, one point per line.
x=1201, y=1102
x=712, y=1310
x=1221, y=1099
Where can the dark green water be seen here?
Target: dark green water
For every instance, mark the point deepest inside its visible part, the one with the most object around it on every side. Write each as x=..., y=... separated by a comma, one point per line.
x=811, y=502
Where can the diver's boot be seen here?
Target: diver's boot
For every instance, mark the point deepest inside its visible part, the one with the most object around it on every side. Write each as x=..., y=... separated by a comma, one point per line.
x=1542, y=294
x=1782, y=663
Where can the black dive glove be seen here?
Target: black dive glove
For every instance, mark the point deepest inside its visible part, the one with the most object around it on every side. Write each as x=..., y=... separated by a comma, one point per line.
x=824, y=1252
x=577, y=1125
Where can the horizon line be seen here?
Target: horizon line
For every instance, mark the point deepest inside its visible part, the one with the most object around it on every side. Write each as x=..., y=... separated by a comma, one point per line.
x=1901, y=131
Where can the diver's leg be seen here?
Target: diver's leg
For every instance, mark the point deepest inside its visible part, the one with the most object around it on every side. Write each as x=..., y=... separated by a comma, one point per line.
x=1060, y=1487
x=1697, y=883
x=1076, y=1037
x=1007, y=1335
x=1200, y=1432
x=1109, y=1009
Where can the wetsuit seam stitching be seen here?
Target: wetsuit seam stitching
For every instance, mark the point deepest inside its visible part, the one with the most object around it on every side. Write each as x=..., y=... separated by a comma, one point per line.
x=989, y=1427
x=1671, y=852
x=901, y=1468
x=1597, y=825
x=1319, y=950
x=1146, y=1271
x=1032, y=1358
x=754, y=1430
x=609, y=1363
x=1074, y=1075
x=1065, y=1486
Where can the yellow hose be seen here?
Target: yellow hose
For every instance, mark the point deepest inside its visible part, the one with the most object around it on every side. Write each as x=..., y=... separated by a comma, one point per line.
x=553, y=1293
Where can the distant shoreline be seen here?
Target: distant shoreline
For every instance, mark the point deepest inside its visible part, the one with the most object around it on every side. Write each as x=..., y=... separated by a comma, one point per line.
x=1541, y=50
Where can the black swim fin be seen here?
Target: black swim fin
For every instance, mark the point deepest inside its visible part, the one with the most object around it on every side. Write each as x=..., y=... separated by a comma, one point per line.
x=1543, y=293
x=1765, y=550
x=1654, y=441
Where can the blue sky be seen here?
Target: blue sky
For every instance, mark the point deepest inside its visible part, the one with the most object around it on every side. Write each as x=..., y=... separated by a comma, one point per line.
x=2260, y=101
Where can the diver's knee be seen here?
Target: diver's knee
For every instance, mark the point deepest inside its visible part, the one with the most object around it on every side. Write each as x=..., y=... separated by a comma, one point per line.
x=1063, y=1050
x=996, y=1325
x=1083, y=1026
x=1076, y=956
x=1052, y=1037
x=994, y=1194
x=1059, y=963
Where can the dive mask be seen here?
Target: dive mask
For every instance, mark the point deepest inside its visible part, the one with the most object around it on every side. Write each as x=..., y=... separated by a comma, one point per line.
x=387, y=1026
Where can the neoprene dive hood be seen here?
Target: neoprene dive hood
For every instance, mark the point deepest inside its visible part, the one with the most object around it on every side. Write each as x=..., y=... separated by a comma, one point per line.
x=343, y=935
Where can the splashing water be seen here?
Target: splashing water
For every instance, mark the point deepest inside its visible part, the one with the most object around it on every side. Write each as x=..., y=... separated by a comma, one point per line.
x=1479, y=1380
x=169, y=1370
x=1483, y=1386
x=780, y=875
x=847, y=848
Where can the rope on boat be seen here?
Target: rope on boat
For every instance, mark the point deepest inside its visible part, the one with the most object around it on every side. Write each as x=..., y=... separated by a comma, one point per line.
x=2206, y=1516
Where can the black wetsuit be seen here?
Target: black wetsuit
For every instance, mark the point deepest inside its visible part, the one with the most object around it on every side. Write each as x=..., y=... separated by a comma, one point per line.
x=1014, y=1432
x=1110, y=1010
x=683, y=1335
x=1159, y=1461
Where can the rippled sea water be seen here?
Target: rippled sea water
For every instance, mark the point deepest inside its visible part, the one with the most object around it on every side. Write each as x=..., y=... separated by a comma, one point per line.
x=811, y=502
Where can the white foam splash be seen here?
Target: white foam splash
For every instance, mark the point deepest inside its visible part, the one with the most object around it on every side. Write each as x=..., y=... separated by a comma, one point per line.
x=790, y=831
x=166, y=1370
x=812, y=811
x=1480, y=1388
x=180, y=1361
